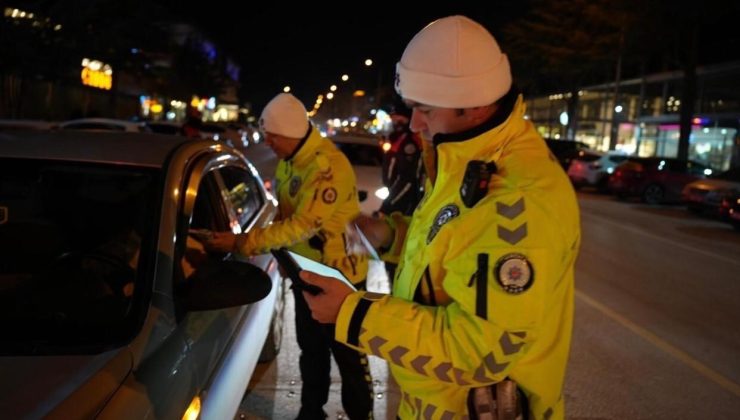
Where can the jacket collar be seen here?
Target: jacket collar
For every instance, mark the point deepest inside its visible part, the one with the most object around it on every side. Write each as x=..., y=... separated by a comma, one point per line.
x=505, y=110
x=305, y=150
x=485, y=141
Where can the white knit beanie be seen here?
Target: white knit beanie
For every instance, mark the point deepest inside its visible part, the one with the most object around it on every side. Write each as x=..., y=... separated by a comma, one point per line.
x=453, y=62
x=286, y=116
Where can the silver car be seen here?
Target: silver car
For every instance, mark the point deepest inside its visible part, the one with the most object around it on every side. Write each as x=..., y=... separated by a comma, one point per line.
x=110, y=308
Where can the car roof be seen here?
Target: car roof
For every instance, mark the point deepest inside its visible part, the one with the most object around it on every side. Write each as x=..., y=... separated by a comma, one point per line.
x=139, y=149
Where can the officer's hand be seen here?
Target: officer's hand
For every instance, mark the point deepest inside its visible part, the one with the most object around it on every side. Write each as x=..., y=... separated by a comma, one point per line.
x=376, y=230
x=220, y=242
x=325, y=306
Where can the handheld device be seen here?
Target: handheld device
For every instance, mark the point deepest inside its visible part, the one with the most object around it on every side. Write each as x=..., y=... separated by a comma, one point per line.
x=293, y=263
x=292, y=269
x=475, y=182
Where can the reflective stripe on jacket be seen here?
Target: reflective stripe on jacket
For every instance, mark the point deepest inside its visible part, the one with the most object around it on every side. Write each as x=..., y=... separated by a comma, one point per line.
x=481, y=293
x=317, y=199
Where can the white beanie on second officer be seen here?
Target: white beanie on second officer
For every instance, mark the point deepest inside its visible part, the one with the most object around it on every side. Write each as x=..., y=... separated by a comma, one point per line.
x=286, y=116
x=453, y=62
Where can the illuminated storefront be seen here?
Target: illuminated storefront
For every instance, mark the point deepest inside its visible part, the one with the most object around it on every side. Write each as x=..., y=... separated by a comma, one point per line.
x=647, y=116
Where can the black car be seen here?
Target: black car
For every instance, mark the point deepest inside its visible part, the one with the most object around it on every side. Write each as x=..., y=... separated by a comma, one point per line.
x=565, y=150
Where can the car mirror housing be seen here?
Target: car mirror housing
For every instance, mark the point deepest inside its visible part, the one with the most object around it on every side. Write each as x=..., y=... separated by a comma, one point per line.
x=222, y=284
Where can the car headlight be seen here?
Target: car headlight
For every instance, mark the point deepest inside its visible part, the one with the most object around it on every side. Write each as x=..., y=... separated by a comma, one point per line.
x=382, y=193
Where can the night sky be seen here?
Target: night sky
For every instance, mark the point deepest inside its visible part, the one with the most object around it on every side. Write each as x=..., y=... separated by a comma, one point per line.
x=309, y=48
x=309, y=45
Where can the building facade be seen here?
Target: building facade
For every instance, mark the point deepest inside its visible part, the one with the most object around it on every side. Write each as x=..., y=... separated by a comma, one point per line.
x=646, y=113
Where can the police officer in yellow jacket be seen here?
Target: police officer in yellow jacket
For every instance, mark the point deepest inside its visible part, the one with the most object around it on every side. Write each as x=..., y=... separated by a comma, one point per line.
x=316, y=189
x=480, y=318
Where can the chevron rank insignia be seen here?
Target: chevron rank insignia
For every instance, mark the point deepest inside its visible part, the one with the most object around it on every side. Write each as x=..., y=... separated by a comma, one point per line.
x=514, y=273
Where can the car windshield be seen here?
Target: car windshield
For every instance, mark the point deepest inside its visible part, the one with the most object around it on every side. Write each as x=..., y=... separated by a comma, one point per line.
x=73, y=244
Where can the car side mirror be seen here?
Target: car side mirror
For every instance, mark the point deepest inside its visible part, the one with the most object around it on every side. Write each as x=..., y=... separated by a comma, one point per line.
x=362, y=195
x=222, y=284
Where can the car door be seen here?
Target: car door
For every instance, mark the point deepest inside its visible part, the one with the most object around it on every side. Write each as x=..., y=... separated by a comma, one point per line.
x=226, y=343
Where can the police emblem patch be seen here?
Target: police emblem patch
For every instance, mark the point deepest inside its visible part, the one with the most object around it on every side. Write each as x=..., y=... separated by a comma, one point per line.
x=329, y=195
x=514, y=273
x=295, y=183
x=444, y=215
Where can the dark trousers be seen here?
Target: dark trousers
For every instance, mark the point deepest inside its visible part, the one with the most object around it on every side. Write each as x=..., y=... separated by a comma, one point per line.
x=317, y=345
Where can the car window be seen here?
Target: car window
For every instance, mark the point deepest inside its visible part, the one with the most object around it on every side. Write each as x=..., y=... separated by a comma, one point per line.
x=71, y=240
x=243, y=192
x=208, y=213
x=362, y=154
x=617, y=158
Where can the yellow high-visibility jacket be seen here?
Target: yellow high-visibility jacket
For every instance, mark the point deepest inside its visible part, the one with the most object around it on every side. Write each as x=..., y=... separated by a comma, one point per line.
x=481, y=293
x=316, y=190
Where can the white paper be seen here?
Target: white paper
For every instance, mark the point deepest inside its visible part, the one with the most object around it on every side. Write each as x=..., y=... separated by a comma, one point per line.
x=319, y=268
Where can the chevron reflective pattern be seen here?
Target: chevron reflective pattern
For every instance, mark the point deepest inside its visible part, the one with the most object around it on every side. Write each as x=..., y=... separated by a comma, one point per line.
x=375, y=344
x=397, y=353
x=419, y=362
x=492, y=365
x=512, y=211
x=441, y=372
x=507, y=345
x=458, y=377
x=513, y=236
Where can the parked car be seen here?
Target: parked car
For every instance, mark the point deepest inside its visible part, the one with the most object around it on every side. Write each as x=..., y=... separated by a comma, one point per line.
x=732, y=205
x=705, y=195
x=110, y=309
x=655, y=180
x=565, y=150
x=104, y=124
x=592, y=168
x=165, y=127
x=366, y=156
